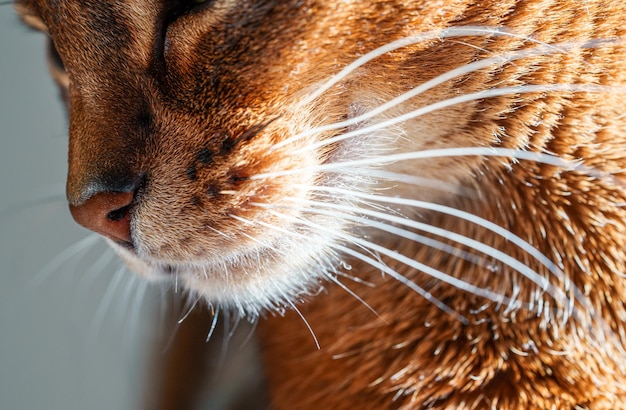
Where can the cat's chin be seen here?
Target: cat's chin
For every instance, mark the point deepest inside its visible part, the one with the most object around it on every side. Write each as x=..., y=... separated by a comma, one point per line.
x=250, y=284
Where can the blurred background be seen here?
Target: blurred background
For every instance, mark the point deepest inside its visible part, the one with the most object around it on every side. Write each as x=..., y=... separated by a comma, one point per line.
x=66, y=341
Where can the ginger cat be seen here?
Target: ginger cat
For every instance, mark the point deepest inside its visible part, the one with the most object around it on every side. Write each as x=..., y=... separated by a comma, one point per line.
x=421, y=202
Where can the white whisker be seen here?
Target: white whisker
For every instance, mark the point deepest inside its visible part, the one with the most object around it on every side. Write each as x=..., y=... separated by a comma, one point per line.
x=431, y=183
x=217, y=231
x=235, y=326
x=477, y=220
x=384, y=268
x=136, y=306
x=63, y=257
x=262, y=243
x=466, y=69
x=105, y=303
x=356, y=279
x=479, y=95
x=225, y=339
x=126, y=304
x=405, y=281
x=38, y=200
x=458, y=283
x=94, y=270
x=346, y=213
x=457, y=213
x=306, y=323
x=251, y=332
x=328, y=275
x=502, y=257
x=542, y=158
x=354, y=295
x=193, y=306
x=216, y=314
x=450, y=32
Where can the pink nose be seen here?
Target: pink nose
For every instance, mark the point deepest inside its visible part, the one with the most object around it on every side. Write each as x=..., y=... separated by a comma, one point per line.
x=107, y=213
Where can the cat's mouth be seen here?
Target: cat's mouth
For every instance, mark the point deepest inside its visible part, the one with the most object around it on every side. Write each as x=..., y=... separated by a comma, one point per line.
x=128, y=245
x=251, y=277
x=150, y=268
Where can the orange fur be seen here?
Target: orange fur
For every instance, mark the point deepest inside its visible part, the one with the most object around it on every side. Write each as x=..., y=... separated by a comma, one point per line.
x=171, y=101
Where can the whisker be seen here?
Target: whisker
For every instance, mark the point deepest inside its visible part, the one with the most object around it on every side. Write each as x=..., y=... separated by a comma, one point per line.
x=95, y=269
x=457, y=213
x=306, y=323
x=474, y=219
x=407, y=261
x=469, y=45
x=466, y=69
x=216, y=314
x=262, y=243
x=354, y=295
x=251, y=333
x=458, y=283
x=137, y=304
x=405, y=281
x=193, y=306
x=225, y=340
x=234, y=327
x=430, y=242
x=516, y=154
x=431, y=183
x=479, y=95
x=328, y=275
x=105, y=303
x=384, y=268
x=539, y=280
x=56, y=262
x=449, y=32
x=568, y=307
x=286, y=232
x=42, y=200
x=217, y=231
x=356, y=279
x=126, y=303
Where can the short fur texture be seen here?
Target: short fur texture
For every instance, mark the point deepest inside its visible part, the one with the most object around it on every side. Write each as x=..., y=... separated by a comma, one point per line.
x=485, y=238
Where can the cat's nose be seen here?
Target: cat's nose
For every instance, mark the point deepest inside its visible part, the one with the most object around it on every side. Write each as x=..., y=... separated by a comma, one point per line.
x=107, y=213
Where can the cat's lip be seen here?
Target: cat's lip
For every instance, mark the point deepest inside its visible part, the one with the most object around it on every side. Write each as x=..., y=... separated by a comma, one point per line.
x=128, y=245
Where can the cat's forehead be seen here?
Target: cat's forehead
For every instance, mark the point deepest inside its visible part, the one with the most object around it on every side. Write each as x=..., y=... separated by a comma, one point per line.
x=95, y=32
x=123, y=21
x=160, y=9
x=50, y=12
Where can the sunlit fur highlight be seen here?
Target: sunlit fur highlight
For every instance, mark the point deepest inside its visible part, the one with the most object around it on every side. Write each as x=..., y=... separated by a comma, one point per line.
x=431, y=214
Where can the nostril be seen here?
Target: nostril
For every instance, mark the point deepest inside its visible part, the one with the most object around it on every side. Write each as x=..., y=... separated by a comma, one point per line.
x=118, y=214
x=107, y=213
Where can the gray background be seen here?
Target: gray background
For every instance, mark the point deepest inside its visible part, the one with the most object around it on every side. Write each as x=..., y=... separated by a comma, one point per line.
x=55, y=353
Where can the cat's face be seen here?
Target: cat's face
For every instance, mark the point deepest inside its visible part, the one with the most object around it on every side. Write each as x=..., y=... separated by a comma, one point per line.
x=233, y=147
x=181, y=111
x=471, y=151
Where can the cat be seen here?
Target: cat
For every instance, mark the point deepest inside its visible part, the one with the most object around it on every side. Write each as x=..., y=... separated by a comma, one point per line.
x=419, y=203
